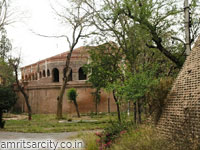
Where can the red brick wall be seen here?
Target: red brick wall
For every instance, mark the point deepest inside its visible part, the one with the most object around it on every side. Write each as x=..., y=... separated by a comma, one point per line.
x=181, y=116
x=43, y=99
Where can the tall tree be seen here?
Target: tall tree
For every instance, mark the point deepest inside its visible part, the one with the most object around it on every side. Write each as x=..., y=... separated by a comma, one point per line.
x=5, y=44
x=14, y=62
x=104, y=69
x=161, y=24
x=138, y=38
x=76, y=18
x=3, y=13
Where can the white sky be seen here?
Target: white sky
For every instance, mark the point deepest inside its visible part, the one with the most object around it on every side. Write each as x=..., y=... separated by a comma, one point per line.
x=41, y=19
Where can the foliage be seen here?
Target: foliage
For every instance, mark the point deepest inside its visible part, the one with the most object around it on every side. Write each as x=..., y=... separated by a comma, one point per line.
x=104, y=66
x=157, y=97
x=72, y=94
x=104, y=69
x=6, y=73
x=151, y=25
x=7, y=101
x=143, y=138
x=111, y=133
x=7, y=98
x=147, y=138
x=5, y=44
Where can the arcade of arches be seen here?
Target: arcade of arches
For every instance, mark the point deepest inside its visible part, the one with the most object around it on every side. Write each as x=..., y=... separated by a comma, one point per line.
x=54, y=75
x=43, y=80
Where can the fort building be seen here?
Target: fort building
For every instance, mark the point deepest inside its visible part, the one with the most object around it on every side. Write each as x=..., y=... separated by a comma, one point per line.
x=42, y=82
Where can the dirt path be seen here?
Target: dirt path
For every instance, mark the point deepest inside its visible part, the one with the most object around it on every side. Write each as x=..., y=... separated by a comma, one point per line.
x=37, y=136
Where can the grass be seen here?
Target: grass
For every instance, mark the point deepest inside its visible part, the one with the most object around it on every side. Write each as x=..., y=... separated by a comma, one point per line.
x=46, y=123
x=144, y=137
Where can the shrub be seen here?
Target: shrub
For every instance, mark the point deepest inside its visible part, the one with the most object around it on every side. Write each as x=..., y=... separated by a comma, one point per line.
x=72, y=95
x=157, y=97
x=143, y=138
x=110, y=134
x=146, y=138
x=7, y=100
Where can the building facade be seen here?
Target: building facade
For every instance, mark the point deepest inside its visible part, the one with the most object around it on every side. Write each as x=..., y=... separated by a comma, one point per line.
x=42, y=82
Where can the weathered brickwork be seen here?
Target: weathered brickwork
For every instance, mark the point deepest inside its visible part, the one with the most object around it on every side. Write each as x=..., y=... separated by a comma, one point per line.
x=43, y=81
x=181, y=116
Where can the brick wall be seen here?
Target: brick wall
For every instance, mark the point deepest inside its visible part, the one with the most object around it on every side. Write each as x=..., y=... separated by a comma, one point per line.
x=43, y=91
x=43, y=99
x=181, y=115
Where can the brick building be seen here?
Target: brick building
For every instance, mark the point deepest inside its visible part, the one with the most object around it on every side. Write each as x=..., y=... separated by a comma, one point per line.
x=42, y=81
x=181, y=116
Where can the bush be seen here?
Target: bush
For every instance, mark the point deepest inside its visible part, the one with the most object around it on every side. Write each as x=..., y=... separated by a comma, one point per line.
x=111, y=133
x=146, y=138
x=157, y=97
x=143, y=138
x=7, y=100
x=71, y=94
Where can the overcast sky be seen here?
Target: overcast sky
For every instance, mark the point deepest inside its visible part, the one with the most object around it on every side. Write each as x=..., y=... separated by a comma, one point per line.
x=39, y=17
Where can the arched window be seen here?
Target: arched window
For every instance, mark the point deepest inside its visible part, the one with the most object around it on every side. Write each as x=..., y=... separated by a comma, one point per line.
x=69, y=74
x=44, y=73
x=36, y=76
x=48, y=73
x=22, y=77
x=55, y=74
x=29, y=77
x=26, y=77
x=33, y=77
x=40, y=74
x=81, y=74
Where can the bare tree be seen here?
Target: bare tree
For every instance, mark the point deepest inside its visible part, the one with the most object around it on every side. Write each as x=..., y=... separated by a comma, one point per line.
x=77, y=18
x=8, y=14
x=3, y=12
x=15, y=64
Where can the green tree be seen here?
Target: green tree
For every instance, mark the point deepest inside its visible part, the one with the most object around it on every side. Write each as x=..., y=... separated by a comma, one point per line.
x=7, y=101
x=6, y=73
x=150, y=35
x=104, y=69
x=152, y=24
x=97, y=98
x=72, y=95
x=5, y=44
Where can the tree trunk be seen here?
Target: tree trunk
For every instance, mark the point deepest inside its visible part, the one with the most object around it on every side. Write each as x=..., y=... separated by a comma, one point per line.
x=118, y=107
x=1, y=119
x=96, y=106
x=135, y=112
x=63, y=87
x=28, y=107
x=77, y=110
x=21, y=89
x=108, y=105
x=139, y=111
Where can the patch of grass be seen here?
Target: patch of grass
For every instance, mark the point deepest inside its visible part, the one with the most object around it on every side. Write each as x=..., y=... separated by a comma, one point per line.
x=46, y=123
x=146, y=138
x=89, y=139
